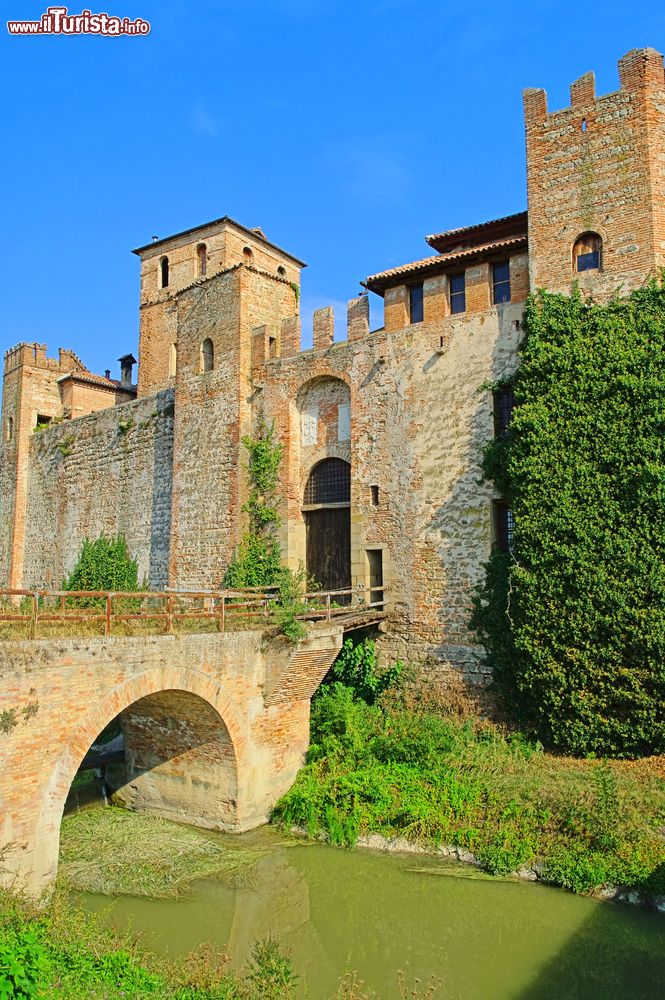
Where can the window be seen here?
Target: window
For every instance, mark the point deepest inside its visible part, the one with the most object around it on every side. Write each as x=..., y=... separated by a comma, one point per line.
x=504, y=526
x=343, y=422
x=309, y=426
x=42, y=422
x=416, y=314
x=207, y=355
x=501, y=282
x=281, y=271
x=374, y=495
x=457, y=292
x=329, y=482
x=173, y=360
x=202, y=259
x=503, y=410
x=9, y=433
x=164, y=272
x=588, y=252
x=272, y=347
x=248, y=253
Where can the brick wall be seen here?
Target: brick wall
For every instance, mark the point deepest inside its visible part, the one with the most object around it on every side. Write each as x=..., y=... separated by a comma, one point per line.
x=598, y=166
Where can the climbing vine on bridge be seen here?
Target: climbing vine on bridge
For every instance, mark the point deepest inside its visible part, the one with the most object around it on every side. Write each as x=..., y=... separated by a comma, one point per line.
x=574, y=617
x=258, y=561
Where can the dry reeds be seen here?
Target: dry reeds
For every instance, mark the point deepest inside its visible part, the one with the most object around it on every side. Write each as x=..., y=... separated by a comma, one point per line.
x=116, y=852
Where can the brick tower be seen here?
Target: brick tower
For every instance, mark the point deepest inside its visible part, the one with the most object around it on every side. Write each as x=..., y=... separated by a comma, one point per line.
x=596, y=181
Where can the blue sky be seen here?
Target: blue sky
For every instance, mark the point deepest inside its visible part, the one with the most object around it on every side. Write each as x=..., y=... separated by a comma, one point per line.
x=347, y=131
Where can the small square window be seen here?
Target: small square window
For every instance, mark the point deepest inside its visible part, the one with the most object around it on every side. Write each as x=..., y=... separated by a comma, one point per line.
x=416, y=307
x=501, y=282
x=457, y=293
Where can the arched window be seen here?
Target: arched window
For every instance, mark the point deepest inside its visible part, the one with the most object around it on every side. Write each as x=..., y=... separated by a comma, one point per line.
x=9, y=433
x=207, y=355
x=164, y=272
x=329, y=482
x=281, y=271
x=173, y=360
x=588, y=252
x=202, y=259
x=248, y=253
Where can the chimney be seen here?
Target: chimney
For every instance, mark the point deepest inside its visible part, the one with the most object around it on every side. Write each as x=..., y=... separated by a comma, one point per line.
x=107, y=373
x=127, y=361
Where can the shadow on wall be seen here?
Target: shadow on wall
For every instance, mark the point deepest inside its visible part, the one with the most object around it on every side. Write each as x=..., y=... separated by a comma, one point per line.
x=162, y=492
x=464, y=550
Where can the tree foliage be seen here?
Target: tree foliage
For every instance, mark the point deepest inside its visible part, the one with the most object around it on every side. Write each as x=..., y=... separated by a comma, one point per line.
x=574, y=618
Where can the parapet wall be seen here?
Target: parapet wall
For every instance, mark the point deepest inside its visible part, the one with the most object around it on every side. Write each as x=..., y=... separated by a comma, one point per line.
x=34, y=356
x=106, y=473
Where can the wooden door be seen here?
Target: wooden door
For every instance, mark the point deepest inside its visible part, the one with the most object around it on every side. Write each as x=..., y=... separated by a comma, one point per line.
x=328, y=547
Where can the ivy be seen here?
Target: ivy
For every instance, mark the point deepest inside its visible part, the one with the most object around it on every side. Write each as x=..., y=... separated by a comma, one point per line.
x=574, y=619
x=257, y=561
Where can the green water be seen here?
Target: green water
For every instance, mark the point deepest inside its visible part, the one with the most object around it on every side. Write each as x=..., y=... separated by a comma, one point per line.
x=485, y=939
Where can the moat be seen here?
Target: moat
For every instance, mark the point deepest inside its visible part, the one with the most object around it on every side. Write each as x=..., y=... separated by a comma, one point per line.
x=337, y=911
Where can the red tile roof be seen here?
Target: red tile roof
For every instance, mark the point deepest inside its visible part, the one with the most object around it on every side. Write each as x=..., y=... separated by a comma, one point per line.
x=506, y=226
x=100, y=380
x=440, y=262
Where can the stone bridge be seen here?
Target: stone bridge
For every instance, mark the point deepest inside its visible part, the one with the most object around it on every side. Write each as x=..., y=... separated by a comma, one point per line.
x=215, y=727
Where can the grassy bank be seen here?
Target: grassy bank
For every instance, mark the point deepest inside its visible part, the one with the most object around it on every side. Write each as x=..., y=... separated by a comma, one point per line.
x=581, y=824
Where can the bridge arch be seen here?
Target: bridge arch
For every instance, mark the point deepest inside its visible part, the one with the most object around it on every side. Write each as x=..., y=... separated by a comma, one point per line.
x=183, y=748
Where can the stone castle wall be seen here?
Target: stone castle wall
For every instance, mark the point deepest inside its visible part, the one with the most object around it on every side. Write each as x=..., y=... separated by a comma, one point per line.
x=106, y=473
x=419, y=419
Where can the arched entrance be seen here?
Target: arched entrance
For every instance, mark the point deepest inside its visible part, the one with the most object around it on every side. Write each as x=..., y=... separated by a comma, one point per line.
x=327, y=514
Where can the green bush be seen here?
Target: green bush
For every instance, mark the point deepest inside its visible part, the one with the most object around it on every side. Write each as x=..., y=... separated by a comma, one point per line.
x=22, y=963
x=574, y=619
x=356, y=667
x=104, y=564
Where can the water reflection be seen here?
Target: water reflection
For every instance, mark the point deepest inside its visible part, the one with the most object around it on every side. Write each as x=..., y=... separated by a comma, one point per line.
x=337, y=910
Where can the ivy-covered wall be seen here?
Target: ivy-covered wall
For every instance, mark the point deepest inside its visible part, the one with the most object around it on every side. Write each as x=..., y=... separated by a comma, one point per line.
x=574, y=616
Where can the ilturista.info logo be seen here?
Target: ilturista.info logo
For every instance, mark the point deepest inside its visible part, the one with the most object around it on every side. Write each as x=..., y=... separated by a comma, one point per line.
x=58, y=21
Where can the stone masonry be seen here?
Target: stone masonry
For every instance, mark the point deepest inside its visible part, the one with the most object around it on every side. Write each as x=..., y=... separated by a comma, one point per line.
x=407, y=407
x=215, y=727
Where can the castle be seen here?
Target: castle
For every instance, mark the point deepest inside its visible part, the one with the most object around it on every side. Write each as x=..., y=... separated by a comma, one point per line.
x=382, y=433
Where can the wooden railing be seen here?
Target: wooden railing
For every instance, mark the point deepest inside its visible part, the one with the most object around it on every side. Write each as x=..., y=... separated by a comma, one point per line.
x=224, y=609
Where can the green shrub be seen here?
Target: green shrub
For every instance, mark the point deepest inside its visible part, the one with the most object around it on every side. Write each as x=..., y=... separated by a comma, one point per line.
x=574, y=619
x=104, y=564
x=22, y=963
x=356, y=667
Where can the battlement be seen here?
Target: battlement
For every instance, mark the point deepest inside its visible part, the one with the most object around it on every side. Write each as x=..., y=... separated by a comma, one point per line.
x=323, y=331
x=34, y=356
x=639, y=70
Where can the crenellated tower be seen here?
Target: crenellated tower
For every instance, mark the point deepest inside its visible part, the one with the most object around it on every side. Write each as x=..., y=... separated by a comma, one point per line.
x=596, y=181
